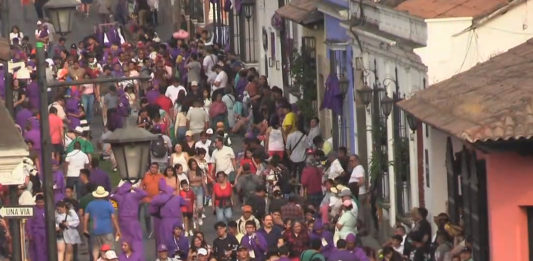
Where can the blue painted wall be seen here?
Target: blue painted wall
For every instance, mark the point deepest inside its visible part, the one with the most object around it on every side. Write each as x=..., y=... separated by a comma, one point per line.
x=343, y=3
x=335, y=31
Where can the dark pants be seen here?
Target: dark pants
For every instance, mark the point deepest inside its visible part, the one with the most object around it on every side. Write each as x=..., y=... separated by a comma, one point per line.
x=39, y=9
x=75, y=183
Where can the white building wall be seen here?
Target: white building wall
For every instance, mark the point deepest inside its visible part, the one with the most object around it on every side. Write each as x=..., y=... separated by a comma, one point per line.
x=448, y=53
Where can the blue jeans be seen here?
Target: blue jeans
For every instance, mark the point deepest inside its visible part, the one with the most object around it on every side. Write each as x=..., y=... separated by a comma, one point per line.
x=199, y=193
x=87, y=100
x=76, y=184
x=224, y=214
x=145, y=214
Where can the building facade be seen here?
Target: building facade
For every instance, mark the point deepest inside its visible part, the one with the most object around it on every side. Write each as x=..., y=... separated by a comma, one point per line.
x=387, y=70
x=459, y=38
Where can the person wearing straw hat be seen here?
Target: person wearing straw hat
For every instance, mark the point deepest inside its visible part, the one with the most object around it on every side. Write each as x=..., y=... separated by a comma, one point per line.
x=101, y=213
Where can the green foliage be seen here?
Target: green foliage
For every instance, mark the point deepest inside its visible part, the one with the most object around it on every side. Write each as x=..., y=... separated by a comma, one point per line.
x=304, y=77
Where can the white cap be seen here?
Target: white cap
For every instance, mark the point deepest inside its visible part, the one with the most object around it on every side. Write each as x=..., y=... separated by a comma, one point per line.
x=50, y=62
x=202, y=251
x=111, y=255
x=194, y=83
x=39, y=23
x=209, y=131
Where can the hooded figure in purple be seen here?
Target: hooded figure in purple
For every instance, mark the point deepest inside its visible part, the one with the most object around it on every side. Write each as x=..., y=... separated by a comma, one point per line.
x=23, y=116
x=153, y=93
x=32, y=91
x=356, y=253
x=128, y=200
x=73, y=111
x=325, y=236
x=166, y=207
x=59, y=182
x=178, y=244
x=35, y=231
x=255, y=242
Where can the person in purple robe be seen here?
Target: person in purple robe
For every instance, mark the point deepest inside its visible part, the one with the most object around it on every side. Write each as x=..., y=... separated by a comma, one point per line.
x=32, y=92
x=98, y=176
x=23, y=115
x=178, y=244
x=325, y=236
x=128, y=200
x=254, y=241
x=166, y=208
x=340, y=253
x=33, y=134
x=129, y=253
x=73, y=111
x=59, y=181
x=356, y=252
x=153, y=93
x=35, y=231
x=123, y=108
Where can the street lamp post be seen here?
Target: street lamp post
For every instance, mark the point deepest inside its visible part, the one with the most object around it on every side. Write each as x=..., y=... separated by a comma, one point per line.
x=60, y=13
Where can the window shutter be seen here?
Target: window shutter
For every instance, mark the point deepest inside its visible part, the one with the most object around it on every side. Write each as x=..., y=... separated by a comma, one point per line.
x=474, y=206
x=452, y=182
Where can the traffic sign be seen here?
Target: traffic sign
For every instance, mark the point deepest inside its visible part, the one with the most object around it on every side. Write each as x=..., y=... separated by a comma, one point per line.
x=16, y=212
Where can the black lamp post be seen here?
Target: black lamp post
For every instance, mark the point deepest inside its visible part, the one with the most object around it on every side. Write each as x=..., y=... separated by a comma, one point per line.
x=131, y=147
x=412, y=121
x=343, y=85
x=61, y=14
x=386, y=105
x=248, y=8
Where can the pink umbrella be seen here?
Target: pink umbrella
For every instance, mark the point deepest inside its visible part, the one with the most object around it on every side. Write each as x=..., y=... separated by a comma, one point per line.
x=181, y=34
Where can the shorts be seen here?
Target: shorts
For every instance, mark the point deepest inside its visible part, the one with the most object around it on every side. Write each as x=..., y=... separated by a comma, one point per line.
x=58, y=148
x=187, y=215
x=100, y=240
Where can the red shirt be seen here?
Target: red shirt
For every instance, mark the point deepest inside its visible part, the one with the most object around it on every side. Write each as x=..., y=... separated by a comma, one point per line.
x=189, y=198
x=311, y=180
x=164, y=102
x=222, y=193
x=253, y=168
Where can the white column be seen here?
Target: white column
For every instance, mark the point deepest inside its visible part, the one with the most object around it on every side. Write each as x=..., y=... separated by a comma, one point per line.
x=413, y=159
x=392, y=175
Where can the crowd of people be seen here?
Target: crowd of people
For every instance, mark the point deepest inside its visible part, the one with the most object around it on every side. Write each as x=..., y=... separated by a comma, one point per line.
x=300, y=199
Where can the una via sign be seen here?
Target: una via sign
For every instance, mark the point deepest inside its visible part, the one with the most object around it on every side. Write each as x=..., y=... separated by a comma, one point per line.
x=16, y=212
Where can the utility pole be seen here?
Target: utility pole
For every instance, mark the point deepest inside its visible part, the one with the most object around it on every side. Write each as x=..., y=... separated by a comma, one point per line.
x=14, y=225
x=176, y=14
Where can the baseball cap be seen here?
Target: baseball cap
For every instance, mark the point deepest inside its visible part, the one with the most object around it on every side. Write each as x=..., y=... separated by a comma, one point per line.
x=209, y=131
x=194, y=83
x=105, y=248
x=111, y=255
x=39, y=23
x=242, y=247
x=202, y=251
x=162, y=248
x=345, y=193
x=188, y=133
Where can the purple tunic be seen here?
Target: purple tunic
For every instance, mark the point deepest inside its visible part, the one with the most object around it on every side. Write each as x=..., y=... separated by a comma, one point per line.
x=22, y=117
x=100, y=178
x=178, y=246
x=35, y=228
x=341, y=254
x=323, y=234
x=135, y=256
x=72, y=107
x=152, y=95
x=128, y=210
x=34, y=135
x=168, y=206
x=32, y=91
x=59, y=182
x=257, y=243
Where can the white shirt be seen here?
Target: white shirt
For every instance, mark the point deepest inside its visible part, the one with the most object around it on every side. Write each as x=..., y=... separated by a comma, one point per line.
x=209, y=62
x=181, y=177
x=12, y=36
x=77, y=160
x=358, y=172
x=335, y=169
x=222, y=78
x=173, y=91
x=223, y=159
x=205, y=146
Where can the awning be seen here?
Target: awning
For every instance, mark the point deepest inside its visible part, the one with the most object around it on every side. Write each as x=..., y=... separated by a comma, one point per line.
x=301, y=11
x=491, y=101
x=12, y=149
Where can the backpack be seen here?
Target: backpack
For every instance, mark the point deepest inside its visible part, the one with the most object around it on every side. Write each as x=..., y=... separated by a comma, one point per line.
x=158, y=148
x=310, y=255
x=248, y=188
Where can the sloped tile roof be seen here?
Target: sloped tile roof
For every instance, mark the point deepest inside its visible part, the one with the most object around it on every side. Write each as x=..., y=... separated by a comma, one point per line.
x=429, y=9
x=298, y=10
x=491, y=101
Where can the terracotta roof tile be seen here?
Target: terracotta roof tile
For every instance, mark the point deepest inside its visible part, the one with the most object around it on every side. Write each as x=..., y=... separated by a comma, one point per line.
x=491, y=101
x=429, y=9
x=297, y=10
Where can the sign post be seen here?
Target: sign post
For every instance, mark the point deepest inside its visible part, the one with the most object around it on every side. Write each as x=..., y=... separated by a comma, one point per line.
x=16, y=212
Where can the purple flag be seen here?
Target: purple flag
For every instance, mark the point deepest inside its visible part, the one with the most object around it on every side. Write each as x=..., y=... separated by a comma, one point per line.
x=332, y=95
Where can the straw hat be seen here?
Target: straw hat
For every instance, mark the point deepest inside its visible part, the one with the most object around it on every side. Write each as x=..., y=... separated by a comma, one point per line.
x=100, y=192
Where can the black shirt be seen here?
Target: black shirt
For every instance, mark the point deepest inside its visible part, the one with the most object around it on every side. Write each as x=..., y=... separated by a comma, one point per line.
x=75, y=204
x=272, y=238
x=221, y=245
x=258, y=205
x=420, y=254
